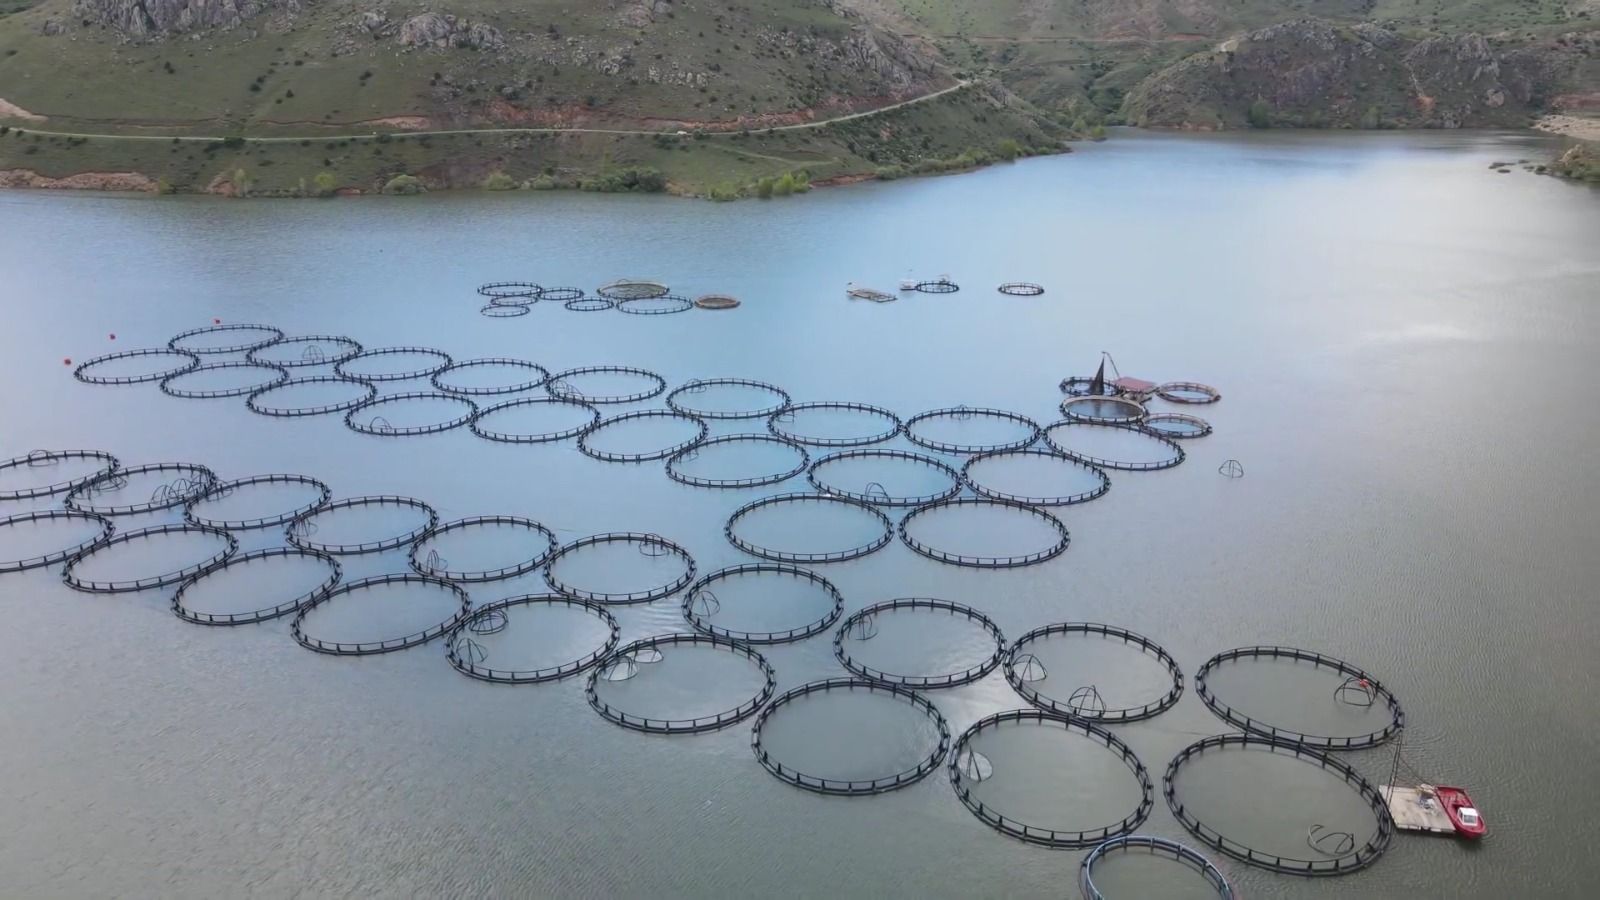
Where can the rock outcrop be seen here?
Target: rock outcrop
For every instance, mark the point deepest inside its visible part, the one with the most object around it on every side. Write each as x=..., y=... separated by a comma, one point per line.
x=438, y=30
x=1314, y=73
x=158, y=18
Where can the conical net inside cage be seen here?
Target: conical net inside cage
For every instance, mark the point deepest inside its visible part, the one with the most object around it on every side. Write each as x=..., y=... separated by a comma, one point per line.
x=705, y=603
x=974, y=766
x=470, y=651
x=491, y=622
x=864, y=628
x=1029, y=668
x=1356, y=691
x=620, y=669
x=1087, y=701
x=647, y=655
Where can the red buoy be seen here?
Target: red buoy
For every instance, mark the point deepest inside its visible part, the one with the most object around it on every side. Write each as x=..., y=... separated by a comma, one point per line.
x=67, y=361
x=216, y=321
x=113, y=335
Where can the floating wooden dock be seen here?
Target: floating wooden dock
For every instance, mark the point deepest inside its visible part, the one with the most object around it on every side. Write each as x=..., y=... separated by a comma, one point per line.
x=1416, y=809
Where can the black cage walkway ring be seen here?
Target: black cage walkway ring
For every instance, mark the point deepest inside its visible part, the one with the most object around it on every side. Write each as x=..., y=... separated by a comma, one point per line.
x=1192, y=392
x=301, y=532
x=683, y=726
x=193, y=510
x=428, y=371
x=469, y=659
x=441, y=379
x=874, y=492
x=589, y=304
x=676, y=462
x=368, y=417
x=968, y=413
x=653, y=544
x=1017, y=657
x=560, y=385
x=103, y=534
x=481, y=428
x=779, y=555
x=1178, y=426
x=1155, y=846
x=257, y=404
x=560, y=294
x=1101, y=486
x=70, y=574
x=1104, y=410
x=1033, y=834
x=266, y=336
x=678, y=400
x=290, y=354
x=1357, y=859
x=1083, y=386
x=589, y=450
x=186, y=481
x=386, y=645
x=1397, y=715
x=786, y=416
x=503, y=290
x=1022, y=289
x=316, y=594
x=1053, y=435
x=1059, y=546
x=498, y=310
x=272, y=376
x=853, y=626
x=186, y=361
x=632, y=289
x=844, y=787
x=107, y=465
x=937, y=286
x=694, y=611
x=645, y=306
x=431, y=565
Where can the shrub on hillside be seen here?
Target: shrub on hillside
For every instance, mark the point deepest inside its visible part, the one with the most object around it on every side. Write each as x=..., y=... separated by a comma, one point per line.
x=404, y=184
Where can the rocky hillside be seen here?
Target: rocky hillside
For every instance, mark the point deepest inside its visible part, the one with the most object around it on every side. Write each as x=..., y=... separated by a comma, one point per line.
x=1314, y=73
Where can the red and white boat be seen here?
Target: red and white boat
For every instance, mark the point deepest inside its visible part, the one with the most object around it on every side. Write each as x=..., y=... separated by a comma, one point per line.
x=1462, y=813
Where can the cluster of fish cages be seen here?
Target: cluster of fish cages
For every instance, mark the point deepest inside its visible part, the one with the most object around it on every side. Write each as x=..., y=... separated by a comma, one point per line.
x=514, y=299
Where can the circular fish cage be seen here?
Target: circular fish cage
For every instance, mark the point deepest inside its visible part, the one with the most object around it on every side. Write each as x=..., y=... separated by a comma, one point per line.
x=593, y=443
x=716, y=301
x=1103, y=410
x=1192, y=392
x=652, y=552
x=874, y=527
x=790, y=604
x=225, y=339
x=561, y=385
x=1008, y=803
x=561, y=294
x=453, y=597
x=1083, y=386
x=306, y=350
x=44, y=473
x=246, y=589
x=229, y=379
x=384, y=416
x=852, y=705
x=237, y=505
x=685, y=466
x=664, y=305
x=616, y=683
x=44, y=544
x=627, y=289
x=497, y=547
x=457, y=378
x=502, y=310
x=141, y=489
x=1334, y=858
x=322, y=531
x=964, y=429
x=1031, y=664
x=825, y=417
x=314, y=396
x=1022, y=289
x=1017, y=476
x=132, y=366
x=937, y=286
x=1350, y=696
x=589, y=304
x=509, y=290
x=885, y=477
x=1114, y=446
x=708, y=392
x=573, y=417
x=424, y=362
x=485, y=645
x=1177, y=426
x=1050, y=538
x=216, y=547
x=941, y=629
x=1158, y=848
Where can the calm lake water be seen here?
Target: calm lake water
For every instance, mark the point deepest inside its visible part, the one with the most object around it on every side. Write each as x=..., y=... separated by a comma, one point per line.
x=1405, y=342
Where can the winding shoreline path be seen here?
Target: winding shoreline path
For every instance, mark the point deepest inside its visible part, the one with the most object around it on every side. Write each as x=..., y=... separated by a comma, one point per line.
x=374, y=135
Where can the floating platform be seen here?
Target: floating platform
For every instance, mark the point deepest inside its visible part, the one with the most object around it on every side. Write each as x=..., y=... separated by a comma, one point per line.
x=1416, y=810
